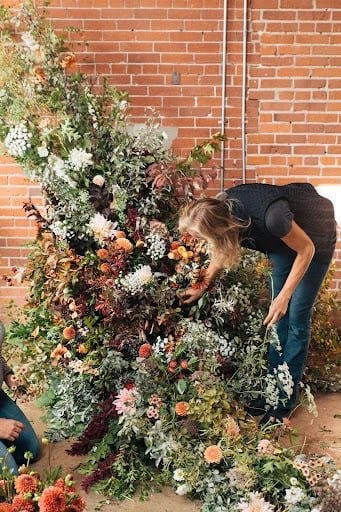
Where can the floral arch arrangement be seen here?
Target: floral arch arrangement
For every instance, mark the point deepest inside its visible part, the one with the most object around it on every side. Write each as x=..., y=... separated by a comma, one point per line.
x=137, y=376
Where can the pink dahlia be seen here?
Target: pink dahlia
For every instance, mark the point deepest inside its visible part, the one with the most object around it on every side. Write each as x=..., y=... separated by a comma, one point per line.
x=125, y=400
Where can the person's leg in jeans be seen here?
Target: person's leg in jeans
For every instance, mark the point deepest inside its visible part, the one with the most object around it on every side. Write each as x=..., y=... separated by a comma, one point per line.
x=27, y=440
x=294, y=328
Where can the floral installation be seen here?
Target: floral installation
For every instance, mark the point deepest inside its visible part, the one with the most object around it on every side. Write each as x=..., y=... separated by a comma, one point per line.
x=29, y=492
x=139, y=377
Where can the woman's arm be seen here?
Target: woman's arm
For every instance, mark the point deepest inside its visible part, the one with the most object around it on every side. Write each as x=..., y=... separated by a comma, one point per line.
x=300, y=242
x=195, y=293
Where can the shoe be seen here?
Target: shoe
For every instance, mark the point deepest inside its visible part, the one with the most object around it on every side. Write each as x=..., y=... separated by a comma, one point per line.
x=256, y=407
x=274, y=417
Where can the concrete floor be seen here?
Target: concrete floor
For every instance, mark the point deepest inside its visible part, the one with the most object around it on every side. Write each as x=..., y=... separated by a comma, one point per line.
x=321, y=435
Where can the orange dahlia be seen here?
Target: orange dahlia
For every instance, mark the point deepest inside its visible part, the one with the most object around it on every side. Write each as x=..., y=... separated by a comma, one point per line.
x=123, y=243
x=52, y=500
x=102, y=254
x=78, y=503
x=25, y=483
x=105, y=268
x=39, y=74
x=213, y=454
x=120, y=234
x=145, y=350
x=69, y=333
x=182, y=408
x=19, y=503
x=5, y=507
x=68, y=60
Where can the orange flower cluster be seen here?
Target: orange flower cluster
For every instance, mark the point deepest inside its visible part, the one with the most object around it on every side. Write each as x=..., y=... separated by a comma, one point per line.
x=179, y=252
x=58, y=352
x=182, y=408
x=213, y=454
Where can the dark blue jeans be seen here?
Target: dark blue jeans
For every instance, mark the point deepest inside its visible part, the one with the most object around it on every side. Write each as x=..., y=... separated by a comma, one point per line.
x=27, y=440
x=294, y=328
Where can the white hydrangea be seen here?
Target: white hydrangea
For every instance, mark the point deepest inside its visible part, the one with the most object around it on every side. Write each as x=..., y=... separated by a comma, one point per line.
x=294, y=495
x=42, y=151
x=335, y=480
x=29, y=41
x=183, y=489
x=17, y=140
x=79, y=159
x=101, y=227
x=135, y=281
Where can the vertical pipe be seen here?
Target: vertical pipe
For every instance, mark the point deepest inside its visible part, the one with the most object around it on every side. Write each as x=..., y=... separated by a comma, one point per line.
x=244, y=76
x=223, y=99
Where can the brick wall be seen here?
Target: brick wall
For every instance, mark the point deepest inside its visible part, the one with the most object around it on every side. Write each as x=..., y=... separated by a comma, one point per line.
x=293, y=100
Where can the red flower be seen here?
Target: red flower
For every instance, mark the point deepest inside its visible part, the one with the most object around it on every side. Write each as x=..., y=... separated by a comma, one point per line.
x=145, y=350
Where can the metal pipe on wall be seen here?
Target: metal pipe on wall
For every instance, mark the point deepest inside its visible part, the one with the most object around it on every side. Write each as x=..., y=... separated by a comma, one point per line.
x=244, y=77
x=223, y=98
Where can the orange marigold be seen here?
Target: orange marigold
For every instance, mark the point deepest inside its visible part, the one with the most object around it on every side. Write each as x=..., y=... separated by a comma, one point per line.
x=102, y=254
x=69, y=333
x=123, y=243
x=182, y=408
x=105, y=268
x=145, y=350
x=52, y=500
x=25, y=483
x=213, y=454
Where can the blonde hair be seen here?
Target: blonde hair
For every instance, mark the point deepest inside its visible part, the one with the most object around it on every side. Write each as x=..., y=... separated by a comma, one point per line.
x=212, y=219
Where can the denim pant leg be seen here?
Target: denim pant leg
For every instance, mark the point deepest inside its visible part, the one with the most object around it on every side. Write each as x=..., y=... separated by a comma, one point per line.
x=294, y=328
x=27, y=440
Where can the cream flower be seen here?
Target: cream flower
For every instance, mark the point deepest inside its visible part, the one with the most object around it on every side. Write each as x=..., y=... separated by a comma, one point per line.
x=101, y=227
x=256, y=503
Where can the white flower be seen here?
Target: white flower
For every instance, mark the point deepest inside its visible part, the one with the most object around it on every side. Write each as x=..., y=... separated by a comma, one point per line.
x=135, y=281
x=29, y=41
x=43, y=151
x=256, y=503
x=98, y=180
x=293, y=481
x=144, y=274
x=101, y=227
x=179, y=475
x=79, y=159
x=335, y=480
x=17, y=140
x=183, y=489
x=294, y=495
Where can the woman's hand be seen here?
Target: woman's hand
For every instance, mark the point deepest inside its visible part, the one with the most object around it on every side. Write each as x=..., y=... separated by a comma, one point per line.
x=277, y=310
x=10, y=429
x=193, y=294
